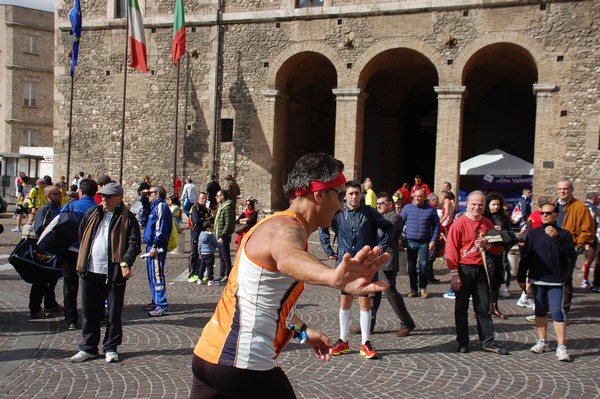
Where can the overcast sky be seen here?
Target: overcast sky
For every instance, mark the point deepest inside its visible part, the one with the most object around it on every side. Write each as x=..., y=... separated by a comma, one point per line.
x=45, y=5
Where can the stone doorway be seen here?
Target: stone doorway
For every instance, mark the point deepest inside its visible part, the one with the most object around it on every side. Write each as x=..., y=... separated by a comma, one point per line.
x=400, y=119
x=305, y=112
x=499, y=108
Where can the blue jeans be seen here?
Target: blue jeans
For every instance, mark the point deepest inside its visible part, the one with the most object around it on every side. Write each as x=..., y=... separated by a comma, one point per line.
x=417, y=250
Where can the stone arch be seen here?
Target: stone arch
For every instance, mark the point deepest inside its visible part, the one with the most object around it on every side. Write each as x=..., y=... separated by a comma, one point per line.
x=313, y=47
x=499, y=72
x=540, y=57
x=360, y=76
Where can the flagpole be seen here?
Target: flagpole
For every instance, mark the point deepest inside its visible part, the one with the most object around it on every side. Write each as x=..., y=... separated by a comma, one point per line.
x=70, y=131
x=124, y=97
x=176, y=123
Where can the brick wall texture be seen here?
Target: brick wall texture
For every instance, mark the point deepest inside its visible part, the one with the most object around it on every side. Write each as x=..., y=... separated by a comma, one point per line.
x=241, y=63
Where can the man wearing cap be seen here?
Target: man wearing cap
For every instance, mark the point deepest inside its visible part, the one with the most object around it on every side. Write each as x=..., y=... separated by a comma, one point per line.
x=236, y=355
x=110, y=241
x=101, y=181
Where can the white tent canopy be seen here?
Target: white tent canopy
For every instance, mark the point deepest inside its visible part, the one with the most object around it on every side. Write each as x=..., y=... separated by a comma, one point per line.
x=496, y=162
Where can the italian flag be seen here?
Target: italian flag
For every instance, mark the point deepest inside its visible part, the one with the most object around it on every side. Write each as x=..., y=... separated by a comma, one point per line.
x=137, y=41
x=178, y=45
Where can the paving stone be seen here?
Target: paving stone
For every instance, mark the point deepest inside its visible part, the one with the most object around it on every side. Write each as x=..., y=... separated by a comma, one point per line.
x=156, y=352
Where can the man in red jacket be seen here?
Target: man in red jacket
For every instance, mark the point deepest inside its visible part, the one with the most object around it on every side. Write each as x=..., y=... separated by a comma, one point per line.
x=465, y=249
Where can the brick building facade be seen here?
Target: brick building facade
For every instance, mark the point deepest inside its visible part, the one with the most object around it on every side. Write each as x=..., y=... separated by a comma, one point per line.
x=390, y=88
x=26, y=86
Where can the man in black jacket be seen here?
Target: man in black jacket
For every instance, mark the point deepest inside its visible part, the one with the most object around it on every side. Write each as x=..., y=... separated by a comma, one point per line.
x=385, y=206
x=109, y=243
x=43, y=287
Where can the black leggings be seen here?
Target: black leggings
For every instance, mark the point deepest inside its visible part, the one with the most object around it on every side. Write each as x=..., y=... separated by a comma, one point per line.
x=218, y=382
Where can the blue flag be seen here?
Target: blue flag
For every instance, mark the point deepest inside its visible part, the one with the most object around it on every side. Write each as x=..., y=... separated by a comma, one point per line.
x=75, y=18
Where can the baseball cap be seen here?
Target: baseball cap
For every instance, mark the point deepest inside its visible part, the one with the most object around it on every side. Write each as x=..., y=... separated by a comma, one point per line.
x=111, y=189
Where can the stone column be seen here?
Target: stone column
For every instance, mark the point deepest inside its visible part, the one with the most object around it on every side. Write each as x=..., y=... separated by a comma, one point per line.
x=349, y=127
x=449, y=136
x=549, y=149
x=275, y=109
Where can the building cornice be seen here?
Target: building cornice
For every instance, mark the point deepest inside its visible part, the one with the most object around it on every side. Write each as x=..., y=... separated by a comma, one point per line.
x=25, y=122
x=299, y=14
x=25, y=26
x=30, y=68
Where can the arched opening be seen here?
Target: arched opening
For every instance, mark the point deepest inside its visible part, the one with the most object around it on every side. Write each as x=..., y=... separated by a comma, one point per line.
x=499, y=110
x=306, y=81
x=400, y=119
x=304, y=115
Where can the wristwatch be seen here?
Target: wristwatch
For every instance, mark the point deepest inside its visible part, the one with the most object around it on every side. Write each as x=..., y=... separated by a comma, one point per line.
x=123, y=264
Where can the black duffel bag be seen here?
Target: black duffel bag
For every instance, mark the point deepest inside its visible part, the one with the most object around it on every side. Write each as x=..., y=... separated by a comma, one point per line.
x=32, y=263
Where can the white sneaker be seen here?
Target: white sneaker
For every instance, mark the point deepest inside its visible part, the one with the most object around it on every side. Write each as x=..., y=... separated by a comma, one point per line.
x=540, y=347
x=502, y=293
x=81, y=356
x=450, y=294
x=561, y=353
x=530, y=319
x=525, y=303
x=111, y=357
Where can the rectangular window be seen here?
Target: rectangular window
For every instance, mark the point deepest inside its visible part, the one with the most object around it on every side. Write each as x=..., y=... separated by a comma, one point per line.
x=120, y=8
x=226, y=130
x=31, y=45
x=30, y=94
x=309, y=3
x=29, y=138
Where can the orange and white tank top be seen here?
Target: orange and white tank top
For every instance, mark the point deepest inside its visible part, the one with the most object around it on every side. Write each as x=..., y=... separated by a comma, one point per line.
x=249, y=327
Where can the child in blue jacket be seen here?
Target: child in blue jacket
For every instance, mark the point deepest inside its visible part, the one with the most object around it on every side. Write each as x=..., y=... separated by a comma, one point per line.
x=207, y=246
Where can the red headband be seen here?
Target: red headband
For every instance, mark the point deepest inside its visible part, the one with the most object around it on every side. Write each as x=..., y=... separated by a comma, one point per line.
x=318, y=185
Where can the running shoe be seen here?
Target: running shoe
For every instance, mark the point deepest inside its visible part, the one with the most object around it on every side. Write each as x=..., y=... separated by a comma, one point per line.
x=539, y=347
x=159, y=312
x=149, y=306
x=450, y=294
x=82, y=356
x=562, y=354
x=503, y=293
x=340, y=347
x=525, y=303
x=368, y=351
x=586, y=284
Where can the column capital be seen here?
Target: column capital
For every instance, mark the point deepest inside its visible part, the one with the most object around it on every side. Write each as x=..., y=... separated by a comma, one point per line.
x=544, y=89
x=272, y=95
x=451, y=91
x=349, y=94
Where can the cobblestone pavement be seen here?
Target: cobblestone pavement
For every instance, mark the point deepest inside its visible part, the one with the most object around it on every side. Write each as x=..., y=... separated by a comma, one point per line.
x=156, y=352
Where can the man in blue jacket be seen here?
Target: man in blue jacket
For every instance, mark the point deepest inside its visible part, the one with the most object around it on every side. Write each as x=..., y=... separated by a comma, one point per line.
x=87, y=191
x=355, y=227
x=422, y=231
x=156, y=236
